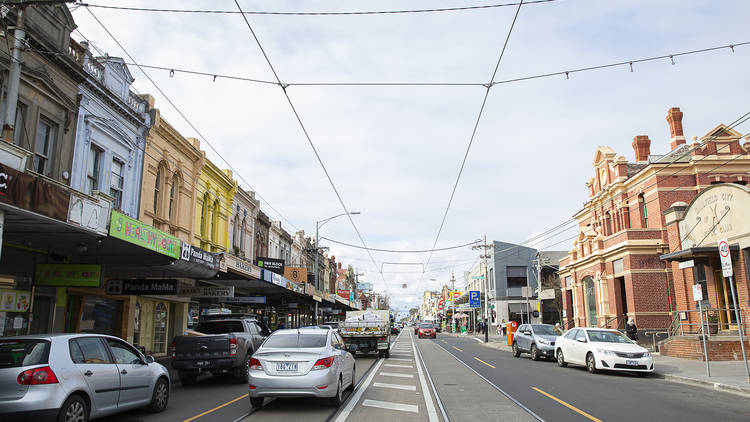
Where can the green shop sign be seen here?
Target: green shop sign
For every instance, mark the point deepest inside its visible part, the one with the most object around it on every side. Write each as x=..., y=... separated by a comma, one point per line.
x=131, y=230
x=68, y=275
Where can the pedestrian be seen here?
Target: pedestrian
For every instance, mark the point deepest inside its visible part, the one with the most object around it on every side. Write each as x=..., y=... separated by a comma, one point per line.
x=631, y=330
x=558, y=328
x=505, y=327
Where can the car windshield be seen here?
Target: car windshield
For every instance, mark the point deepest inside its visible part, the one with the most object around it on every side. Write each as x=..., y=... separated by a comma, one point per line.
x=17, y=353
x=544, y=330
x=608, y=337
x=220, y=327
x=425, y=326
x=295, y=340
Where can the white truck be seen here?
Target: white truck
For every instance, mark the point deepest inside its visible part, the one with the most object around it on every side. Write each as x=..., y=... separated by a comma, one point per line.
x=370, y=330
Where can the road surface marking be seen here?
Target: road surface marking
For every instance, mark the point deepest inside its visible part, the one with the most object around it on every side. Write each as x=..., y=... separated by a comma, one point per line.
x=391, y=374
x=216, y=408
x=569, y=406
x=479, y=340
x=391, y=406
x=406, y=360
x=396, y=386
x=358, y=394
x=431, y=413
x=460, y=350
x=398, y=366
x=484, y=362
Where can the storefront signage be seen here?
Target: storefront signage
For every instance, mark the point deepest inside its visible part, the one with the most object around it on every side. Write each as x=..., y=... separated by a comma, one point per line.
x=364, y=287
x=271, y=264
x=33, y=193
x=68, y=275
x=207, y=292
x=726, y=258
x=14, y=300
x=296, y=287
x=92, y=214
x=343, y=293
x=686, y=264
x=197, y=255
x=142, y=287
x=351, y=296
x=242, y=267
x=298, y=274
x=718, y=212
x=131, y=230
x=245, y=299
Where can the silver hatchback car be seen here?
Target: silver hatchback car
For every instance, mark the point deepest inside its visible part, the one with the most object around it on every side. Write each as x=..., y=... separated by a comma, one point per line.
x=304, y=362
x=76, y=377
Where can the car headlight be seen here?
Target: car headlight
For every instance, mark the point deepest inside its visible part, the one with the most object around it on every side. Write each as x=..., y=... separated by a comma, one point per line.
x=646, y=354
x=542, y=341
x=605, y=352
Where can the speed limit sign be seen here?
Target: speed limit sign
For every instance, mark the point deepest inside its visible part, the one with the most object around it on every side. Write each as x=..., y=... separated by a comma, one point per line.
x=726, y=258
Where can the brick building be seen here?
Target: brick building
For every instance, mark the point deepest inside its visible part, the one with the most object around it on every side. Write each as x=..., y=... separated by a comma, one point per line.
x=614, y=270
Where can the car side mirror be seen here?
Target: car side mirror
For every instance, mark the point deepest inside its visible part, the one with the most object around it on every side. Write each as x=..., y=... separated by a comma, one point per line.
x=150, y=359
x=581, y=339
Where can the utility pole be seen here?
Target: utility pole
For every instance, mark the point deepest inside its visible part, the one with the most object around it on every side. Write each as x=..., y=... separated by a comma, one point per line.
x=484, y=246
x=14, y=77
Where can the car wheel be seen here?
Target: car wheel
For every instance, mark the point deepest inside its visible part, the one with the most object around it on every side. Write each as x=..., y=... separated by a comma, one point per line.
x=387, y=353
x=591, y=363
x=188, y=378
x=354, y=373
x=534, y=352
x=339, y=397
x=243, y=372
x=160, y=396
x=256, y=402
x=73, y=410
x=561, y=359
x=516, y=352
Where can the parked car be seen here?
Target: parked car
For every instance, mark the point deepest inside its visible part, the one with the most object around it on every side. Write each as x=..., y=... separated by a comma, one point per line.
x=538, y=340
x=76, y=377
x=220, y=345
x=305, y=362
x=395, y=329
x=427, y=330
x=602, y=349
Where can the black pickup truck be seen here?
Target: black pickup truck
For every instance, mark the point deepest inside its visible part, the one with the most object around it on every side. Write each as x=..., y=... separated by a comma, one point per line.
x=226, y=347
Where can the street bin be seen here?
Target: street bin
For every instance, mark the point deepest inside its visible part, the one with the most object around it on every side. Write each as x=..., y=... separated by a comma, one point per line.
x=511, y=329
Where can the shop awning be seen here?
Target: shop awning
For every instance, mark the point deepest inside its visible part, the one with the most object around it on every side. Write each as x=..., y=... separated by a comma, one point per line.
x=702, y=252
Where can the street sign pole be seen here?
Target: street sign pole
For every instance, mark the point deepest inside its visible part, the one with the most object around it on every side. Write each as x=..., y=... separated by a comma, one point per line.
x=726, y=269
x=703, y=333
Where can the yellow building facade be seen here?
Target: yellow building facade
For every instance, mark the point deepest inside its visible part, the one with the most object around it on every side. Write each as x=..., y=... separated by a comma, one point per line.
x=215, y=191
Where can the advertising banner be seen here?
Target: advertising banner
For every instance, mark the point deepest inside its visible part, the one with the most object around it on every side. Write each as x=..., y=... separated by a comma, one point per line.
x=242, y=267
x=298, y=274
x=271, y=264
x=207, y=292
x=68, y=275
x=89, y=213
x=197, y=255
x=344, y=294
x=14, y=300
x=133, y=231
x=143, y=287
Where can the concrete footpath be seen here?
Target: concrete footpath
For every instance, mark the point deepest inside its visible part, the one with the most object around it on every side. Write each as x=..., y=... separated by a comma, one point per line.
x=726, y=376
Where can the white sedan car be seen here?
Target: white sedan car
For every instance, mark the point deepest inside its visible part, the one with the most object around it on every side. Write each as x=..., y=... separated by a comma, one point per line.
x=602, y=349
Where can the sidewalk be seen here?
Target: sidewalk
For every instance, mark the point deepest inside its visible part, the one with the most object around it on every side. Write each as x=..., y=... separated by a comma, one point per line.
x=727, y=376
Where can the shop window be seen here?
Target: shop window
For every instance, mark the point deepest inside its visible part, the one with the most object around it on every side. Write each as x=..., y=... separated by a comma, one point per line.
x=46, y=132
x=101, y=316
x=160, y=329
x=137, y=324
x=116, y=184
x=590, y=295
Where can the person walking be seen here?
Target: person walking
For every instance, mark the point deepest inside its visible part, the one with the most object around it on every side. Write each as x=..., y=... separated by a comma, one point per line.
x=631, y=330
x=505, y=327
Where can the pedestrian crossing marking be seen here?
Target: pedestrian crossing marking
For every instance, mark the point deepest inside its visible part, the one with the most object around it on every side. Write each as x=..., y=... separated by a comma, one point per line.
x=391, y=406
x=395, y=386
x=398, y=366
x=391, y=374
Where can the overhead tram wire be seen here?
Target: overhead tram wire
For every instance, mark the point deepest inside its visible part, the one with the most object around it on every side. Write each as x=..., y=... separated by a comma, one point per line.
x=345, y=13
x=400, y=250
x=190, y=123
x=309, y=140
x=473, y=132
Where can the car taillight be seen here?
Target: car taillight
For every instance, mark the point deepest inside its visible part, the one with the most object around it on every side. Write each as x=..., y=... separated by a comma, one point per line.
x=381, y=338
x=174, y=347
x=43, y=375
x=232, y=347
x=323, y=363
x=255, y=364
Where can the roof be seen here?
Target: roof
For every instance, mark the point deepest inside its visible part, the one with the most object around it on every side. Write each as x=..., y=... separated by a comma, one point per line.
x=633, y=168
x=552, y=256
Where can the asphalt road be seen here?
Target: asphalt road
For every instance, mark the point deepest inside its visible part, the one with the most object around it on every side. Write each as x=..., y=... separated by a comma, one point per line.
x=572, y=394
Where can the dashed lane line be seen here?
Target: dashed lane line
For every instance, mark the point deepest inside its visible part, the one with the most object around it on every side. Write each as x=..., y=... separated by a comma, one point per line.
x=460, y=350
x=391, y=406
x=568, y=405
x=395, y=386
x=484, y=362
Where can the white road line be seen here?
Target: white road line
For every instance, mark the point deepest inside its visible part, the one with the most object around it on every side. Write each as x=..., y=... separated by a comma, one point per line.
x=479, y=340
x=405, y=360
x=398, y=366
x=431, y=413
x=391, y=406
x=396, y=386
x=391, y=374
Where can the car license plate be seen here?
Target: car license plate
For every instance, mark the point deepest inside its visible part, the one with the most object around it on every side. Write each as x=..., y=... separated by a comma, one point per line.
x=631, y=362
x=202, y=363
x=286, y=366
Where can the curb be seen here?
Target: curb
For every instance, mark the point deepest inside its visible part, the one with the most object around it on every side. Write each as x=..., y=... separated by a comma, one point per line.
x=718, y=386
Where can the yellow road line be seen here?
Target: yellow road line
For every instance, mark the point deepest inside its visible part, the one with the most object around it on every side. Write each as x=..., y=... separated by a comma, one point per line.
x=215, y=408
x=569, y=406
x=457, y=348
x=484, y=362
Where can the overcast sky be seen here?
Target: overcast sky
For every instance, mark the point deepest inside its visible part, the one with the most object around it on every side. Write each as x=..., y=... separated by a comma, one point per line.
x=394, y=152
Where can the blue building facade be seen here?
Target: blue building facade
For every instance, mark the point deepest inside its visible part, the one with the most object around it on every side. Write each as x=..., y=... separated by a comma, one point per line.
x=111, y=131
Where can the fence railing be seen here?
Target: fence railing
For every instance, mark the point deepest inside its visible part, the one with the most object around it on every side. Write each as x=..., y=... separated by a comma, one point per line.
x=716, y=321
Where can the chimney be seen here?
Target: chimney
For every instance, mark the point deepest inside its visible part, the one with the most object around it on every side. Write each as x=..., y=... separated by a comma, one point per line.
x=642, y=148
x=674, y=117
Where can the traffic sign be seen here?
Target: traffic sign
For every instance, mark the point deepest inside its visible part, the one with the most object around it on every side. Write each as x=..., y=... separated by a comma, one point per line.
x=697, y=292
x=726, y=258
x=474, y=299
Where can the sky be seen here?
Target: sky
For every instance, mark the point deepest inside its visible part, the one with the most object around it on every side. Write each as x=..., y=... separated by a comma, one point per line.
x=394, y=153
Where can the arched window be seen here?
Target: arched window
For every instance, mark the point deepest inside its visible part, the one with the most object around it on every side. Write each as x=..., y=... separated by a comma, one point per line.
x=242, y=236
x=204, y=217
x=174, y=198
x=608, y=217
x=590, y=297
x=644, y=210
x=160, y=329
x=215, y=221
x=156, y=190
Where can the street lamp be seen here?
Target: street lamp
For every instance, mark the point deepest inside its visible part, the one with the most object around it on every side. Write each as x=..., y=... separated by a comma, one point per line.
x=319, y=224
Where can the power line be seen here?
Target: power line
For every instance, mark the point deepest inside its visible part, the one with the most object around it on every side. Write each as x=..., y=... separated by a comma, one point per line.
x=179, y=111
x=309, y=139
x=400, y=250
x=346, y=13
